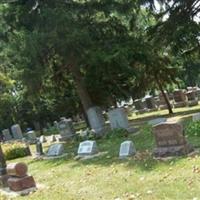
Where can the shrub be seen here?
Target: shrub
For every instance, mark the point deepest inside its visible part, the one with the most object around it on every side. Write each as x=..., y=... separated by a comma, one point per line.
x=116, y=133
x=14, y=150
x=193, y=128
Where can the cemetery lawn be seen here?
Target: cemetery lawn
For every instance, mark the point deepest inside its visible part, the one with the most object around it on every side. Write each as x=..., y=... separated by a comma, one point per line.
x=108, y=178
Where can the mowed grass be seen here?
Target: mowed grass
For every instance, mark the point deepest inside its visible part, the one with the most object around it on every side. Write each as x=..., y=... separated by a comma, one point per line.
x=108, y=178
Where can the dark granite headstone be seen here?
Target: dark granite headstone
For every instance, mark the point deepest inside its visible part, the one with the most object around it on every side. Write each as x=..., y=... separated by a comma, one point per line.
x=39, y=148
x=180, y=99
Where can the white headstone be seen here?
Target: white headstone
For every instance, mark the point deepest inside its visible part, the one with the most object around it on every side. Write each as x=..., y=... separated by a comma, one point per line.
x=156, y=121
x=96, y=119
x=55, y=150
x=87, y=147
x=43, y=139
x=7, y=134
x=118, y=118
x=196, y=117
x=16, y=131
x=127, y=149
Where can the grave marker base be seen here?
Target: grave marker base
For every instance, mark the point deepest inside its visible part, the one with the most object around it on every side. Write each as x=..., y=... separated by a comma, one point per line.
x=193, y=103
x=180, y=104
x=19, y=184
x=173, y=150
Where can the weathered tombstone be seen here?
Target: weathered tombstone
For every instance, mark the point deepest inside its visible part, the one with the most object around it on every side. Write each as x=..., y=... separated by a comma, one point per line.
x=150, y=103
x=127, y=149
x=87, y=148
x=118, y=119
x=180, y=99
x=196, y=117
x=156, y=121
x=7, y=135
x=196, y=90
x=43, y=139
x=55, y=150
x=66, y=129
x=39, y=148
x=31, y=135
x=170, y=140
x=52, y=138
x=16, y=131
x=96, y=120
x=192, y=99
x=162, y=102
x=140, y=106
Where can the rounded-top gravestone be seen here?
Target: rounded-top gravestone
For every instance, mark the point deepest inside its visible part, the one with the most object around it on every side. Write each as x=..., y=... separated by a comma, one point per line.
x=127, y=148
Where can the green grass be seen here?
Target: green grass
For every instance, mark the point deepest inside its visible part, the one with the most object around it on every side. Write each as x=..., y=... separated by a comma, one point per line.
x=108, y=178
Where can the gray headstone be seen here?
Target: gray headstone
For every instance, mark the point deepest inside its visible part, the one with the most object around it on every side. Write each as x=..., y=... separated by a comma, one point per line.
x=196, y=117
x=16, y=131
x=127, y=149
x=66, y=129
x=43, y=139
x=87, y=147
x=31, y=135
x=96, y=120
x=7, y=134
x=157, y=121
x=118, y=118
x=55, y=150
x=39, y=148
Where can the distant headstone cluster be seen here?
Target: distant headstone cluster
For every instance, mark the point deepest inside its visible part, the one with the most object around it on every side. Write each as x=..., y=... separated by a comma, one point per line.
x=177, y=99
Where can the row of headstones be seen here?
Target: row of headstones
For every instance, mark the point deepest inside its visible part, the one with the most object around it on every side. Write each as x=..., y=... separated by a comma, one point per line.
x=16, y=133
x=86, y=148
x=118, y=120
x=179, y=98
x=169, y=136
x=117, y=117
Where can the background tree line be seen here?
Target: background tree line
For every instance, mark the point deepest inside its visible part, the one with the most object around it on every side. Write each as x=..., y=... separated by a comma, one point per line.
x=59, y=58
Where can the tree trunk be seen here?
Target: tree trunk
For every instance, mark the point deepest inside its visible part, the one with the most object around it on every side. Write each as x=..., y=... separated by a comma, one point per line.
x=80, y=86
x=164, y=95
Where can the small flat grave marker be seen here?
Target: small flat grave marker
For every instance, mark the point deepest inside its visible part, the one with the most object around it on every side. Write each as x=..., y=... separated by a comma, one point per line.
x=87, y=147
x=127, y=149
x=55, y=150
